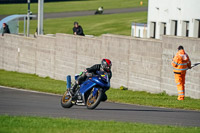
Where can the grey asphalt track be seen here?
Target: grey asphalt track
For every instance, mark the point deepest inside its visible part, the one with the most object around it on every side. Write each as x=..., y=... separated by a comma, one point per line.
x=87, y=13
x=17, y=102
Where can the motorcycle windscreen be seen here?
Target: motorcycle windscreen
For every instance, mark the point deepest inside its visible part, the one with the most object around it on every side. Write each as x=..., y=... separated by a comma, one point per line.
x=87, y=85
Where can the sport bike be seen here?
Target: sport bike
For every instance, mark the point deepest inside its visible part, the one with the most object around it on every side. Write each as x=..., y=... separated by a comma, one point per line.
x=90, y=93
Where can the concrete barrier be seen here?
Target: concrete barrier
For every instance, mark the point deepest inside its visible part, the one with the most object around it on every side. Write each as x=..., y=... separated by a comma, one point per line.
x=139, y=64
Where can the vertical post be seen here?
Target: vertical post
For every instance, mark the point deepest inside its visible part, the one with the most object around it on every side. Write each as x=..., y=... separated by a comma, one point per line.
x=68, y=81
x=28, y=17
x=40, y=17
x=24, y=26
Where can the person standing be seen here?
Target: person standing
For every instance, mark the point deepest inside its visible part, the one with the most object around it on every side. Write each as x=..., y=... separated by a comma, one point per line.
x=78, y=30
x=5, y=29
x=181, y=63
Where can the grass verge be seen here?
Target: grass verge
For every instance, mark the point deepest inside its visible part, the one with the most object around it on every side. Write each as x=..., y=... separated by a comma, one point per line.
x=34, y=82
x=19, y=124
x=31, y=82
x=68, y=6
x=92, y=25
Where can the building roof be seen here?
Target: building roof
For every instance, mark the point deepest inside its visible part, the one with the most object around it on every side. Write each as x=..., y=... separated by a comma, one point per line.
x=13, y=17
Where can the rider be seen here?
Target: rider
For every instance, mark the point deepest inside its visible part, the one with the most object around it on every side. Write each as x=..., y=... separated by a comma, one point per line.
x=104, y=66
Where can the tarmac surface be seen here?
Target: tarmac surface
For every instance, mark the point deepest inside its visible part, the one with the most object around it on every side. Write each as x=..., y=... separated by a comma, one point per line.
x=87, y=13
x=27, y=103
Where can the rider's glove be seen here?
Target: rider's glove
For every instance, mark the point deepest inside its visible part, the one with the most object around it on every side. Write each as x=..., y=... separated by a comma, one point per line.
x=89, y=74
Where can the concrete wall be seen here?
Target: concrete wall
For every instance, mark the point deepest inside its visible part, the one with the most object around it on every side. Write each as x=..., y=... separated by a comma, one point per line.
x=139, y=64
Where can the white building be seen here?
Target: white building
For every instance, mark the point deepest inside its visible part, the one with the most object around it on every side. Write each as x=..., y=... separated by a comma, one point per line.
x=173, y=17
x=139, y=30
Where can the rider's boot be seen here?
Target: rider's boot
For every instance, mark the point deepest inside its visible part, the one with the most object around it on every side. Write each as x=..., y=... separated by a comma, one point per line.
x=73, y=88
x=104, y=97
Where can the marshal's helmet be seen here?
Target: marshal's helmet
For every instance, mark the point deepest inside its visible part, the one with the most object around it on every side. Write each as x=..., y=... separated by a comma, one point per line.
x=106, y=64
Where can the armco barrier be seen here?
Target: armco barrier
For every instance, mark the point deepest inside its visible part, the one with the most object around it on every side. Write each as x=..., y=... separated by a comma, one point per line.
x=139, y=64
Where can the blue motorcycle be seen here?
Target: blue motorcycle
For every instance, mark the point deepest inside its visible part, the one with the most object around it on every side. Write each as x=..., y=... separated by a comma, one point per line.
x=90, y=93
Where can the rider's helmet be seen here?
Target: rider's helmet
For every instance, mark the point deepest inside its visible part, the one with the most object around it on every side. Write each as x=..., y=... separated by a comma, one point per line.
x=106, y=64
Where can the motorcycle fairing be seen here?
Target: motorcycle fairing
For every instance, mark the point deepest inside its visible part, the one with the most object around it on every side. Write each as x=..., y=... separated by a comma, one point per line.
x=94, y=81
x=95, y=91
x=87, y=85
x=100, y=82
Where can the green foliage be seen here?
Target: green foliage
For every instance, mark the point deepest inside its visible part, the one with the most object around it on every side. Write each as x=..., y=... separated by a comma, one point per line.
x=34, y=82
x=69, y=6
x=19, y=124
x=92, y=25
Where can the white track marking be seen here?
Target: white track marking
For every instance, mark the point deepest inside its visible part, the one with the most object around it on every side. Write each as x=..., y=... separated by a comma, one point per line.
x=30, y=91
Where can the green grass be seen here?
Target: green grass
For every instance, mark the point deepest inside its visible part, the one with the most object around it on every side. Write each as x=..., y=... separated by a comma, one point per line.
x=70, y=6
x=159, y=100
x=92, y=25
x=33, y=82
x=19, y=124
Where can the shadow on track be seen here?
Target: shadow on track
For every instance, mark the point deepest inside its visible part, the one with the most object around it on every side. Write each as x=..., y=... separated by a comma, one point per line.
x=144, y=110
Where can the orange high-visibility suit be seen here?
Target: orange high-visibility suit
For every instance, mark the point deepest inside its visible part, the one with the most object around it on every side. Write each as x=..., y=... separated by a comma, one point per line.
x=181, y=63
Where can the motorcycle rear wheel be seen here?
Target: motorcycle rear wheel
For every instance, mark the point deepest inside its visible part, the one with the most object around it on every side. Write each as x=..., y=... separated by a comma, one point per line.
x=66, y=100
x=93, y=101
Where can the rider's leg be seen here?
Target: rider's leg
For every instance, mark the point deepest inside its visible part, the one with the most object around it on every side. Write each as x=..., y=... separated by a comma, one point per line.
x=73, y=88
x=79, y=81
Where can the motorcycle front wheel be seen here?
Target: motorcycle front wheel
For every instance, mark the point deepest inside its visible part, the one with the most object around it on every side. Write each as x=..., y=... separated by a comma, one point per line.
x=66, y=100
x=93, y=101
